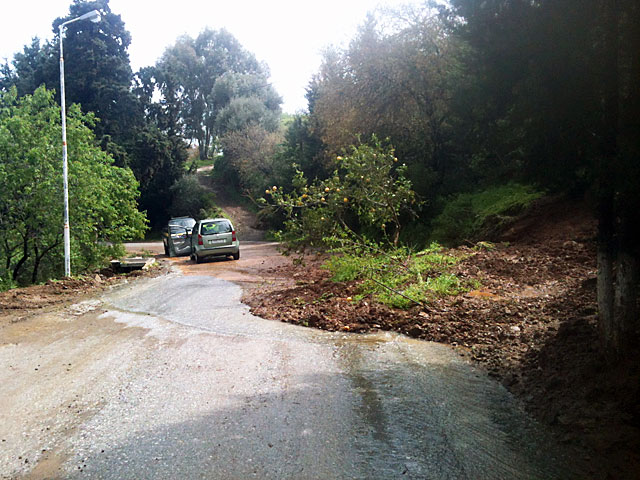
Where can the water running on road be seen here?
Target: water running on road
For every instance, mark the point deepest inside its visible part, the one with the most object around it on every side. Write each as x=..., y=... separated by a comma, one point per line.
x=228, y=395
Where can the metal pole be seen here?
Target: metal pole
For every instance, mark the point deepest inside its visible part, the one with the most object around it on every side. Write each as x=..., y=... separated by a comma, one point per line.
x=67, y=236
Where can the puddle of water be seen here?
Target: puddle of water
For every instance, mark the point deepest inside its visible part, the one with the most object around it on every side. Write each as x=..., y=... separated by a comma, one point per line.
x=157, y=328
x=426, y=410
x=79, y=309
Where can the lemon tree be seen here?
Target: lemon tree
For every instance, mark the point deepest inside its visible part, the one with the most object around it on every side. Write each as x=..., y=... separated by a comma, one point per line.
x=367, y=192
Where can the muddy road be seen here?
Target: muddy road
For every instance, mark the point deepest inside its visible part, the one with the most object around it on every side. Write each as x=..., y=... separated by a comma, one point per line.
x=172, y=377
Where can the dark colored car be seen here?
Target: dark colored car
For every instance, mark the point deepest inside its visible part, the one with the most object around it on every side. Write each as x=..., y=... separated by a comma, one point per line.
x=214, y=237
x=176, y=236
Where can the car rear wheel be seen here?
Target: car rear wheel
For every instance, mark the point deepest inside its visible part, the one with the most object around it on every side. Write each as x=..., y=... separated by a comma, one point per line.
x=236, y=255
x=197, y=259
x=166, y=250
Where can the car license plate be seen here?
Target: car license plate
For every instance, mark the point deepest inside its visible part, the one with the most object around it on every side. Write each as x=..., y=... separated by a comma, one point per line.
x=213, y=242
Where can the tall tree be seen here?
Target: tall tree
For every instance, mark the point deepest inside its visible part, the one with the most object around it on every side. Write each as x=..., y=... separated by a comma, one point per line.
x=29, y=69
x=98, y=73
x=186, y=78
x=98, y=76
x=103, y=198
x=397, y=82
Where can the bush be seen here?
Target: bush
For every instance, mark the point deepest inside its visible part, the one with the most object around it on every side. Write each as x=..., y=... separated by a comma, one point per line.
x=189, y=198
x=102, y=197
x=7, y=284
x=368, y=192
x=470, y=216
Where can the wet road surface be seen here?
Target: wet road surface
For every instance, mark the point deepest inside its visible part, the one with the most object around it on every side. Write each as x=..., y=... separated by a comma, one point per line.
x=173, y=378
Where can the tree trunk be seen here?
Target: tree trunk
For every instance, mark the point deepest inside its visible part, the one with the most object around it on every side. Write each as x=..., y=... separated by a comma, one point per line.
x=607, y=172
x=605, y=283
x=36, y=265
x=625, y=307
x=25, y=255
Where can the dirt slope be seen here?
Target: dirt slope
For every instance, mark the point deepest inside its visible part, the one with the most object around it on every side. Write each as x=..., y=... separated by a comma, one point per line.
x=243, y=218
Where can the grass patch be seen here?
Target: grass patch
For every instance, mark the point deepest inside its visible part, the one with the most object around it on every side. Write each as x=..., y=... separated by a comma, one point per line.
x=400, y=278
x=470, y=215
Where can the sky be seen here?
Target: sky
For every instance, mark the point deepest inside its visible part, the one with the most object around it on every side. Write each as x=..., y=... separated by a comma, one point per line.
x=289, y=35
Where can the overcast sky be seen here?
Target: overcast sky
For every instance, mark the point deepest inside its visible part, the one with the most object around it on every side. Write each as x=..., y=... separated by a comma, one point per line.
x=289, y=35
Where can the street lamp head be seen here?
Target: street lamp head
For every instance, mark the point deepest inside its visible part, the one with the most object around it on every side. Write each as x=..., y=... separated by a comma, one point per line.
x=93, y=15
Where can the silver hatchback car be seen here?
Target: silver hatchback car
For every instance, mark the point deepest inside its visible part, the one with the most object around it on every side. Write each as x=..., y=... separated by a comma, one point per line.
x=214, y=237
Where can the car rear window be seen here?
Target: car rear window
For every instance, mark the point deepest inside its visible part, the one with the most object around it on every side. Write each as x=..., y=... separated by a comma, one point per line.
x=212, y=228
x=183, y=222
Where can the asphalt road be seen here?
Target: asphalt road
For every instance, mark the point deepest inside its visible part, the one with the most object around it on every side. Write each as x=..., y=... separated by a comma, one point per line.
x=173, y=378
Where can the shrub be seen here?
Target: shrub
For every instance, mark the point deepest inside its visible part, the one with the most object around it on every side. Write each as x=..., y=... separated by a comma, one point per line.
x=189, y=198
x=102, y=197
x=367, y=192
x=469, y=216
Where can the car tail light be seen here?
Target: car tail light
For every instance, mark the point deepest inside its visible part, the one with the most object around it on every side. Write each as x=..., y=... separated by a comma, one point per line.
x=233, y=236
x=200, y=242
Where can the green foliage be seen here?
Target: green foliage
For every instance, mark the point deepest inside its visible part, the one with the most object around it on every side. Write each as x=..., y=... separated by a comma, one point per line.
x=303, y=147
x=368, y=189
x=102, y=197
x=189, y=198
x=209, y=85
x=250, y=159
x=211, y=212
x=157, y=160
x=98, y=76
x=6, y=283
x=398, y=277
x=396, y=79
x=469, y=215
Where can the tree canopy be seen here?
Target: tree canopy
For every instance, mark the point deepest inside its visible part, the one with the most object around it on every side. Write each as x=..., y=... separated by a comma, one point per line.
x=208, y=86
x=102, y=197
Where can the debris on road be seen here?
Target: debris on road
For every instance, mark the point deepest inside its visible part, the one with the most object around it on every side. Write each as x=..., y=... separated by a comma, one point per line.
x=130, y=264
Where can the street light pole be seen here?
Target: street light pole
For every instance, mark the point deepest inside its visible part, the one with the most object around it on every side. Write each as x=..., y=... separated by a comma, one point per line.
x=94, y=16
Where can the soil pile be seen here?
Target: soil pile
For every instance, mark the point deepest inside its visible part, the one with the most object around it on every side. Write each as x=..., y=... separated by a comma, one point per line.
x=532, y=325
